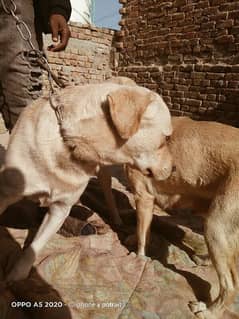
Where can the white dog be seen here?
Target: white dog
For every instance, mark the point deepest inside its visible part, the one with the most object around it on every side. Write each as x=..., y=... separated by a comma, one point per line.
x=52, y=162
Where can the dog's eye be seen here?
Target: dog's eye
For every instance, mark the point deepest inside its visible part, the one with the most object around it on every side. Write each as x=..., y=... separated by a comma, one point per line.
x=167, y=138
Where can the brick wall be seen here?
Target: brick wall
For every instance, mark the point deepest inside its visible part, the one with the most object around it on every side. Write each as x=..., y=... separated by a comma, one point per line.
x=188, y=51
x=89, y=57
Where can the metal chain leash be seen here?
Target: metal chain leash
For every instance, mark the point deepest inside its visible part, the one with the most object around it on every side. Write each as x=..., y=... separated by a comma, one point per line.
x=10, y=7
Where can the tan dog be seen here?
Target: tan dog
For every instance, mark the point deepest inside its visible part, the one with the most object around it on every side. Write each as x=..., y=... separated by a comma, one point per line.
x=206, y=155
x=102, y=124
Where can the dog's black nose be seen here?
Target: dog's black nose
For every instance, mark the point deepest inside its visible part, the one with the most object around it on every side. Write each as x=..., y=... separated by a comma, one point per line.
x=174, y=168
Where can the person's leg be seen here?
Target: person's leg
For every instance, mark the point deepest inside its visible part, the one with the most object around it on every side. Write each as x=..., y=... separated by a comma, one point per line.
x=20, y=76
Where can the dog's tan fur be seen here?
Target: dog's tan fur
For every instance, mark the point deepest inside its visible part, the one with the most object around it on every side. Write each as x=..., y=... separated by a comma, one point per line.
x=206, y=155
x=123, y=80
x=102, y=124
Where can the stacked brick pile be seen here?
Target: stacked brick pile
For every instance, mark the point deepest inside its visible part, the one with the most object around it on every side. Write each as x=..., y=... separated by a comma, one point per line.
x=89, y=56
x=187, y=50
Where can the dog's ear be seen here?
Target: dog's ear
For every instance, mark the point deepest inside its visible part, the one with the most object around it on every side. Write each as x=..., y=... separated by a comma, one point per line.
x=127, y=106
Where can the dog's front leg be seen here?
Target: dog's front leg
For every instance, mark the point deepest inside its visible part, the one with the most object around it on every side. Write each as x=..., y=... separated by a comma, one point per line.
x=144, y=210
x=144, y=206
x=52, y=222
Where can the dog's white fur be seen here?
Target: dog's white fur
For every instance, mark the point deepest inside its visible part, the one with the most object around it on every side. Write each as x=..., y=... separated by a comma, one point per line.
x=102, y=124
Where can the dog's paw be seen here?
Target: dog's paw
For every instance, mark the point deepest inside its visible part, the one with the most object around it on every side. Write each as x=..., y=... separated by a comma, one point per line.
x=201, y=311
x=197, y=306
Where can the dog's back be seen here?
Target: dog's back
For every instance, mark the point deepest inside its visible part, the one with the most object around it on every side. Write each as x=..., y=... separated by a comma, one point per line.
x=204, y=153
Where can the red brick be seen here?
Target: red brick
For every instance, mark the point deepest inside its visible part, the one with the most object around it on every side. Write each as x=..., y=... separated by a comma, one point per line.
x=225, y=24
x=193, y=102
x=198, y=75
x=214, y=76
x=178, y=16
x=225, y=39
x=216, y=2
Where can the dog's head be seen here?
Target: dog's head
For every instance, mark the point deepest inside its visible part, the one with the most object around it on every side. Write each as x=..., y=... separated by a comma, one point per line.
x=142, y=120
x=118, y=124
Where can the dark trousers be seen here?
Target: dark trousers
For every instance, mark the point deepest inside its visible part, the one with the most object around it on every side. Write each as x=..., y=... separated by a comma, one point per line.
x=20, y=77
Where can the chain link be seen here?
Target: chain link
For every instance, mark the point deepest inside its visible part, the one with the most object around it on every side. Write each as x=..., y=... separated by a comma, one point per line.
x=10, y=7
x=7, y=8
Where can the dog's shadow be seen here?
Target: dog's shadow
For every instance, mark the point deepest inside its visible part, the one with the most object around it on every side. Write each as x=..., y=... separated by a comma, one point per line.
x=160, y=248
x=29, y=298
